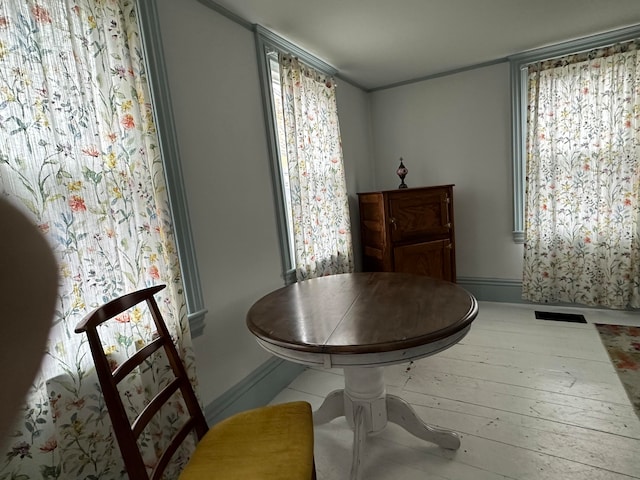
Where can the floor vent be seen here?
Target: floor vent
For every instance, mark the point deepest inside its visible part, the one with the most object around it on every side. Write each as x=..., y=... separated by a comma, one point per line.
x=561, y=317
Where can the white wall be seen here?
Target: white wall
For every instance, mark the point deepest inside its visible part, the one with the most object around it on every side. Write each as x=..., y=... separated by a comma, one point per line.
x=354, y=115
x=213, y=78
x=456, y=129
x=215, y=90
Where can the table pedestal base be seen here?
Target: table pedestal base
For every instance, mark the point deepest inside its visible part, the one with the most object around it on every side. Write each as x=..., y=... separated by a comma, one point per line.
x=367, y=408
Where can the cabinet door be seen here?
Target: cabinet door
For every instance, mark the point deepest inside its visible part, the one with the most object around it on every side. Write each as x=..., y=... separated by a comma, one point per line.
x=418, y=215
x=432, y=259
x=376, y=256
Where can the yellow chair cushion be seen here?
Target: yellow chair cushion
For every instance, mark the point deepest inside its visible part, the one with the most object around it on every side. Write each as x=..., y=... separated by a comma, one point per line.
x=273, y=442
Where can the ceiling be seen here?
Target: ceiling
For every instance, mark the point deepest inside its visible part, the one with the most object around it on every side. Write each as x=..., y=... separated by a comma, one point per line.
x=378, y=43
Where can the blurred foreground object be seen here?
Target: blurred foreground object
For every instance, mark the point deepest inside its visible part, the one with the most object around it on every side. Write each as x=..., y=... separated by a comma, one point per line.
x=28, y=291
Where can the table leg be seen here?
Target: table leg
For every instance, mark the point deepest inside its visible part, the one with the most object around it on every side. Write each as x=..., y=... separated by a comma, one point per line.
x=364, y=408
x=359, y=440
x=367, y=408
x=332, y=407
x=401, y=413
x=365, y=387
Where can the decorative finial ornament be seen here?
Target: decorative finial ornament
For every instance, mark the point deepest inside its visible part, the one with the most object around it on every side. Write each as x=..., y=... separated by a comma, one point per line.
x=402, y=172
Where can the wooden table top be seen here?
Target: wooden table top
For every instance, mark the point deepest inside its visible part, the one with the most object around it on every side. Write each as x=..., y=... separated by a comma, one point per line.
x=359, y=313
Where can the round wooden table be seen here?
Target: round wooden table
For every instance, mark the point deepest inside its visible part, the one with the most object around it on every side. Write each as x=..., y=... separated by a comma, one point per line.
x=361, y=322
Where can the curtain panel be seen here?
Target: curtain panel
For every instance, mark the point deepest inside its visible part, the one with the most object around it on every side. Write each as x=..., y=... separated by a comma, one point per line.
x=79, y=152
x=583, y=179
x=315, y=170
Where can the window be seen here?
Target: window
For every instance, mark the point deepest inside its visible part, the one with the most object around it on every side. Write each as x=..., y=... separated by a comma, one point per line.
x=278, y=116
x=582, y=180
x=519, y=78
x=79, y=153
x=308, y=172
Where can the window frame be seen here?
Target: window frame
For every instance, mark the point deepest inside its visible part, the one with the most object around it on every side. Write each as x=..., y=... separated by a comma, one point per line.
x=158, y=79
x=519, y=77
x=268, y=43
x=274, y=67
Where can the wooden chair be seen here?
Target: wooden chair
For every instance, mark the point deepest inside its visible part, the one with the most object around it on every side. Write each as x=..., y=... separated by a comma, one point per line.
x=272, y=442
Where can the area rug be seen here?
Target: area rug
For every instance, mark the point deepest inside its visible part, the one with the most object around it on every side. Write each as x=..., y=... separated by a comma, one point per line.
x=623, y=346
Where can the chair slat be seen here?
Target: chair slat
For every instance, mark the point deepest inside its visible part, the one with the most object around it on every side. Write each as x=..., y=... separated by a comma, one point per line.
x=136, y=359
x=170, y=450
x=154, y=405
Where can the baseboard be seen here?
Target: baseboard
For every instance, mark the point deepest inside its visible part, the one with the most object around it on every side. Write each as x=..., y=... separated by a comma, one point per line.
x=493, y=289
x=255, y=390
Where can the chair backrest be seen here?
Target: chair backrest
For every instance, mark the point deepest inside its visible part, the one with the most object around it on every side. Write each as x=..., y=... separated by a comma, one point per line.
x=128, y=431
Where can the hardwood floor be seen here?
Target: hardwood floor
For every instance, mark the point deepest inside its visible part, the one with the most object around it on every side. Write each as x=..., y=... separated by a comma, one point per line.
x=531, y=399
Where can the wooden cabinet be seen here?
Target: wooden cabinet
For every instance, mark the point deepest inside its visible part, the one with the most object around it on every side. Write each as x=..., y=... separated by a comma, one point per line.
x=409, y=230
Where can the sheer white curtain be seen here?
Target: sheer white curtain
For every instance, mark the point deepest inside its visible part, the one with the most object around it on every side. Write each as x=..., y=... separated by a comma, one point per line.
x=79, y=153
x=320, y=209
x=583, y=179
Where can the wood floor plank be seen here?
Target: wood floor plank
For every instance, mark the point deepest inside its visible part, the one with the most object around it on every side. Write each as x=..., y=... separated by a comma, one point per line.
x=593, y=369
x=570, y=442
x=542, y=380
x=606, y=418
x=590, y=347
x=465, y=387
x=498, y=457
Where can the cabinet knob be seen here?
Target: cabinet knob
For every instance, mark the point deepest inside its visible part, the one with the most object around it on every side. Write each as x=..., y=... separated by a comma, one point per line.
x=392, y=220
x=448, y=225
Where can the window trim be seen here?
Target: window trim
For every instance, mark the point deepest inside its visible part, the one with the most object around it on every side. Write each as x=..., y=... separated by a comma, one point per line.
x=271, y=60
x=159, y=84
x=518, y=70
x=266, y=43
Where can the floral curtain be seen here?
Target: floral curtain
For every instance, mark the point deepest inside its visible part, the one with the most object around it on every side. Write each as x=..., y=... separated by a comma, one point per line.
x=79, y=152
x=317, y=186
x=583, y=179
